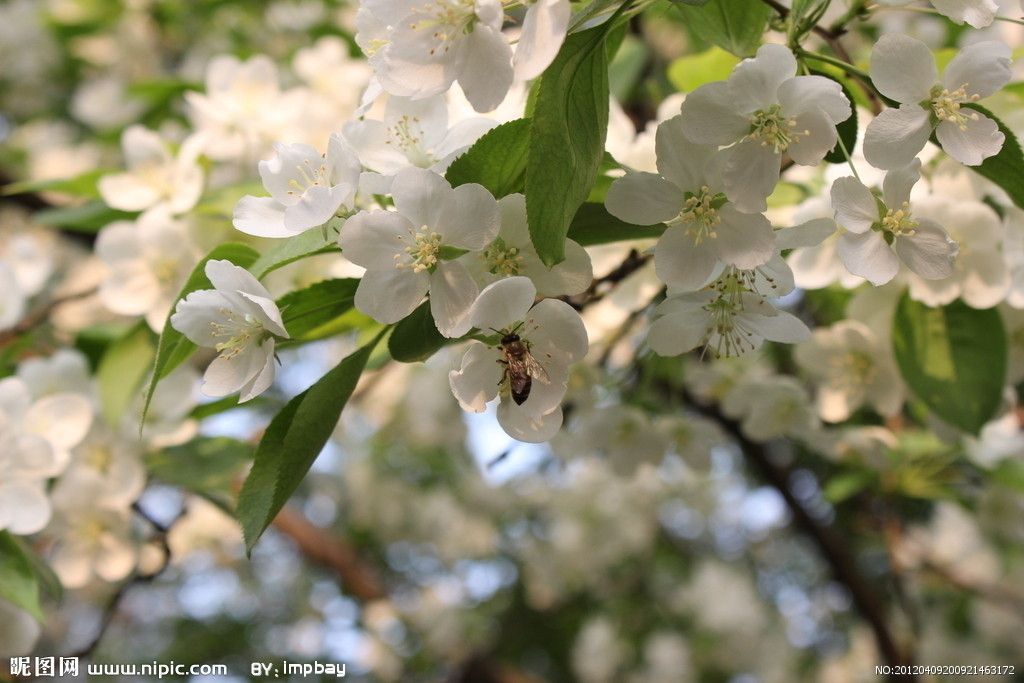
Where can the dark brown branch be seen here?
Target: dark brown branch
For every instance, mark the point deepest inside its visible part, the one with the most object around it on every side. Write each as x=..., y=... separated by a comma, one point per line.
x=832, y=548
x=318, y=545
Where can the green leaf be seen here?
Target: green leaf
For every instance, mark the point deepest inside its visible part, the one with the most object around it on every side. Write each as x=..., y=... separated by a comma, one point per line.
x=692, y=71
x=292, y=442
x=953, y=358
x=593, y=225
x=309, y=243
x=566, y=139
x=847, y=484
x=309, y=313
x=173, y=348
x=1005, y=169
x=122, y=370
x=208, y=466
x=847, y=129
x=497, y=160
x=626, y=69
x=87, y=218
x=416, y=338
x=18, y=582
x=733, y=25
x=83, y=185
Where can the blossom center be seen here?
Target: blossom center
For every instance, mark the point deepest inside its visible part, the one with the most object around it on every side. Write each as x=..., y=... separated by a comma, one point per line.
x=236, y=331
x=423, y=253
x=503, y=259
x=700, y=214
x=900, y=222
x=774, y=129
x=308, y=176
x=732, y=336
x=946, y=105
x=852, y=369
x=447, y=20
x=407, y=135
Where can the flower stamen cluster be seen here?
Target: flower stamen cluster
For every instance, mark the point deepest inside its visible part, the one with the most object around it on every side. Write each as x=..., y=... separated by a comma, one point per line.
x=946, y=105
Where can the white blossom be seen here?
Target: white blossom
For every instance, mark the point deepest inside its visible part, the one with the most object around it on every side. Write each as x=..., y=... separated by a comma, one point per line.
x=240, y=320
x=880, y=233
x=156, y=178
x=852, y=367
x=767, y=111
x=306, y=189
x=977, y=13
x=554, y=337
x=413, y=251
x=903, y=69
x=148, y=260
x=705, y=229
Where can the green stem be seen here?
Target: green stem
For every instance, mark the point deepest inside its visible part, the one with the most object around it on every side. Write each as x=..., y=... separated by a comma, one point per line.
x=845, y=66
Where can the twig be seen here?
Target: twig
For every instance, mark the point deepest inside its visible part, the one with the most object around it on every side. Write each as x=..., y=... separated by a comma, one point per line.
x=832, y=547
x=360, y=580
x=600, y=287
x=39, y=316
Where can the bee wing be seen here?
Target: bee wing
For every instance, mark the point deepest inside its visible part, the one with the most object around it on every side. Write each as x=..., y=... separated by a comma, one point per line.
x=536, y=370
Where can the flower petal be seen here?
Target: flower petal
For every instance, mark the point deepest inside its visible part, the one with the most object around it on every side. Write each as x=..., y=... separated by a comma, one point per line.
x=751, y=174
x=470, y=218
x=855, y=207
x=452, y=293
x=929, y=252
x=476, y=382
x=391, y=294
x=894, y=137
x=709, y=115
x=978, y=140
x=372, y=239
x=260, y=216
x=755, y=82
x=487, y=71
x=521, y=426
x=867, y=255
x=643, y=199
x=902, y=68
x=503, y=304
x=744, y=240
x=544, y=29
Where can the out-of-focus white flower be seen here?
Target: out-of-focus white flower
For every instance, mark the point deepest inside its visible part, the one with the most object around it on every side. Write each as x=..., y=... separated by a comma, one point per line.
x=67, y=370
x=998, y=440
x=598, y=652
x=414, y=250
x=853, y=367
x=881, y=233
x=19, y=631
x=512, y=253
x=413, y=133
x=156, y=178
x=306, y=189
x=147, y=261
x=240, y=320
x=980, y=275
x=419, y=48
x=243, y=109
x=977, y=13
x=527, y=365
x=94, y=535
x=110, y=463
x=818, y=266
x=624, y=434
x=1013, y=250
x=767, y=110
x=705, y=228
x=35, y=440
x=903, y=69
x=770, y=408
x=12, y=301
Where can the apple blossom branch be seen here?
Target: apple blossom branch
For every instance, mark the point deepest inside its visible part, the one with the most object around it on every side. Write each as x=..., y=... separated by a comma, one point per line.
x=39, y=316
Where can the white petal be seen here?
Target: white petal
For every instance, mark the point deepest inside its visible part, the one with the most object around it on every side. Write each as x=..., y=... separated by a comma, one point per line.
x=802, y=93
x=475, y=383
x=643, y=199
x=543, y=31
x=867, y=255
x=783, y=327
x=470, y=218
x=420, y=195
x=502, y=304
x=808, y=234
x=555, y=330
x=979, y=140
x=894, y=137
x=452, y=293
x=977, y=13
x=196, y=315
x=315, y=207
x=671, y=335
x=899, y=182
x=902, y=68
x=487, y=72
x=929, y=252
x=62, y=419
x=855, y=206
x=751, y=173
x=681, y=161
x=982, y=67
x=227, y=277
x=817, y=136
x=710, y=116
x=264, y=377
x=260, y=216
x=391, y=294
x=681, y=264
x=372, y=239
x=24, y=507
x=290, y=166
x=373, y=144
x=518, y=424
x=226, y=375
x=986, y=279
x=744, y=240
x=571, y=276
x=127, y=192
x=755, y=82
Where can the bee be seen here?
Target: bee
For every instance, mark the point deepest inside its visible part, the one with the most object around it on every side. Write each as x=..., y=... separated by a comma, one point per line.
x=521, y=368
